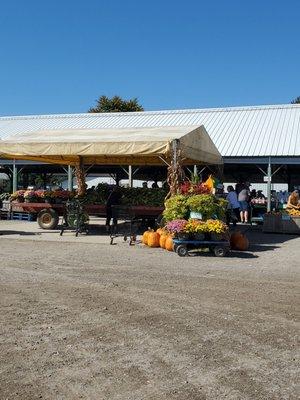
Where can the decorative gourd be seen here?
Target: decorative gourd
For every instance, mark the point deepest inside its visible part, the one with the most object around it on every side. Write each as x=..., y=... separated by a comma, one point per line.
x=169, y=245
x=153, y=239
x=145, y=236
x=238, y=241
x=162, y=240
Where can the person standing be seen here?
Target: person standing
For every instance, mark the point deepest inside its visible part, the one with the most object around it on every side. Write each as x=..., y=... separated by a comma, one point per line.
x=113, y=199
x=243, y=198
x=233, y=210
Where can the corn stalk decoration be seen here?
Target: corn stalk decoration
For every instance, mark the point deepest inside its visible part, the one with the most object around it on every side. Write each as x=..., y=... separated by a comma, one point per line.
x=80, y=177
x=175, y=171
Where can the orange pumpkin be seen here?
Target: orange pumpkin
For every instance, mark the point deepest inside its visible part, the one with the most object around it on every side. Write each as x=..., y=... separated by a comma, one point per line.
x=238, y=241
x=169, y=245
x=145, y=236
x=162, y=240
x=160, y=231
x=153, y=239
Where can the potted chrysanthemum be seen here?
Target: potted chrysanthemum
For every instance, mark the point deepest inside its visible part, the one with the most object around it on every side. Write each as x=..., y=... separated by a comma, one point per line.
x=177, y=228
x=196, y=228
x=216, y=228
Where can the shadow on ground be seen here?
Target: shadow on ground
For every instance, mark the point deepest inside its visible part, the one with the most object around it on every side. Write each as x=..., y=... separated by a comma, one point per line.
x=21, y=233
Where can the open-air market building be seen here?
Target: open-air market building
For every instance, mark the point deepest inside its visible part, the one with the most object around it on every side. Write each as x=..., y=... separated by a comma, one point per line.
x=257, y=142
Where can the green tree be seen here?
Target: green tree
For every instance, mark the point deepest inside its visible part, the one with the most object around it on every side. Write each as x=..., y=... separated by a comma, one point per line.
x=296, y=100
x=115, y=104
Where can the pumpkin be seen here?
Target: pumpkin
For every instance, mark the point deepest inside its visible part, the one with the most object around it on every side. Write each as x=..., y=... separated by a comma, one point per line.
x=153, y=239
x=160, y=231
x=162, y=240
x=238, y=241
x=169, y=245
x=145, y=236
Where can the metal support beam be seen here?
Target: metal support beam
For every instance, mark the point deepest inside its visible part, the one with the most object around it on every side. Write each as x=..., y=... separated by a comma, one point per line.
x=269, y=175
x=15, y=177
x=70, y=178
x=195, y=170
x=130, y=176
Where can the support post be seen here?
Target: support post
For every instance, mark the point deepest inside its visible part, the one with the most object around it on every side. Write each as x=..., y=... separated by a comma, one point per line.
x=195, y=170
x=269, y=175
x=15, y=177
x=70, y=178
x=80, y=177
x=130, y=176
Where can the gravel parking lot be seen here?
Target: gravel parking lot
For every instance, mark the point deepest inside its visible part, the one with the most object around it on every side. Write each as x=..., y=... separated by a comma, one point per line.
x=93, y=321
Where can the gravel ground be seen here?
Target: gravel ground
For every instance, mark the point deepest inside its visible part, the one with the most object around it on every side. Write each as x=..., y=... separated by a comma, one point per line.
x=88, y=321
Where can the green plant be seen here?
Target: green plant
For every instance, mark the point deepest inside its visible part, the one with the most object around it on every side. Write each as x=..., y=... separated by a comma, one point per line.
x=176, y=208
x=205, y=204
x=222, y=205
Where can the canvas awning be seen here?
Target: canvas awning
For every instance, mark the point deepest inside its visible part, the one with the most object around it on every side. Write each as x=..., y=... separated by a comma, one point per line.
x=126, y=146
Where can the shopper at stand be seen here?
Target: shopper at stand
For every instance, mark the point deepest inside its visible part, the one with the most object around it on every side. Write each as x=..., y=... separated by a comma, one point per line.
x=113, y=199
x=243, y=198
x=233, y=211
x=293, y=201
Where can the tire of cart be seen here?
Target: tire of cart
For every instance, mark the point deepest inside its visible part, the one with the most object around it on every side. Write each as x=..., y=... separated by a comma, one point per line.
x=182, y=250
x=221, y=251
x=48, y=219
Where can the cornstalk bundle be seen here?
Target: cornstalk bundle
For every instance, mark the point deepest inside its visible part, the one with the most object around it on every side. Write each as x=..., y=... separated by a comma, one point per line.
x=80, y=177
x=175, y=173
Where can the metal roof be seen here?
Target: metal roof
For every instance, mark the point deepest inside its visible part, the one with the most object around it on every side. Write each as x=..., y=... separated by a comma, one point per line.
x=255, y=131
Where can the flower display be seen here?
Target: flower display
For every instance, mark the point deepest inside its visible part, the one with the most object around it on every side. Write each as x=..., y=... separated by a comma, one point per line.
x=195, y=226
x=190, y=188
x=216, y=226
x=176, y=226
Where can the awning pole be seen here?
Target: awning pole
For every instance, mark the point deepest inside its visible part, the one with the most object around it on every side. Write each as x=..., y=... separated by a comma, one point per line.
x=269, y=175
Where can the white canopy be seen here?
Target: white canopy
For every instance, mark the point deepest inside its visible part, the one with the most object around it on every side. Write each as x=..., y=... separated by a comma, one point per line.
x=127, y=146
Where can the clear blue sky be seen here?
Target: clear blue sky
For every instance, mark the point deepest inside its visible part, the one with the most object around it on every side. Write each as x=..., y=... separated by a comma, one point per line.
x=58, y=56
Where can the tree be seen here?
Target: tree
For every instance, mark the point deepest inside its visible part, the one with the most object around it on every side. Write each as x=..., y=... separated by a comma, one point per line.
x=115, y=104
x=296, y=100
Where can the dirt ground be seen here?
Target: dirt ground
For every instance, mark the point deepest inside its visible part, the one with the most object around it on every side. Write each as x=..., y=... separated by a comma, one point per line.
x=93, y=321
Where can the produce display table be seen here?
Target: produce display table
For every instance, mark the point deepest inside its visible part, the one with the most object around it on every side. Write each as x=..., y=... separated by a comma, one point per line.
x=257, y=212
x=48, y=214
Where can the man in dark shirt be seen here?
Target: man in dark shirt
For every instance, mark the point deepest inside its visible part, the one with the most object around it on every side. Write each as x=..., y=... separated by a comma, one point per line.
x=113, y=199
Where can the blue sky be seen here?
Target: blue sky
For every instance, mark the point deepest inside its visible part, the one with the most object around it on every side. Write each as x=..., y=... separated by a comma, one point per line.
x=58, y=56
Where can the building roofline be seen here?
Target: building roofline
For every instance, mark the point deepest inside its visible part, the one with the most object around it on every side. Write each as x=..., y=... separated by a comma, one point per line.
x=156, y=112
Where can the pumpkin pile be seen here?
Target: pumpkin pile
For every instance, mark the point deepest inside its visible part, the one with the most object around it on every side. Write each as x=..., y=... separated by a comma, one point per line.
x=159, y=238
